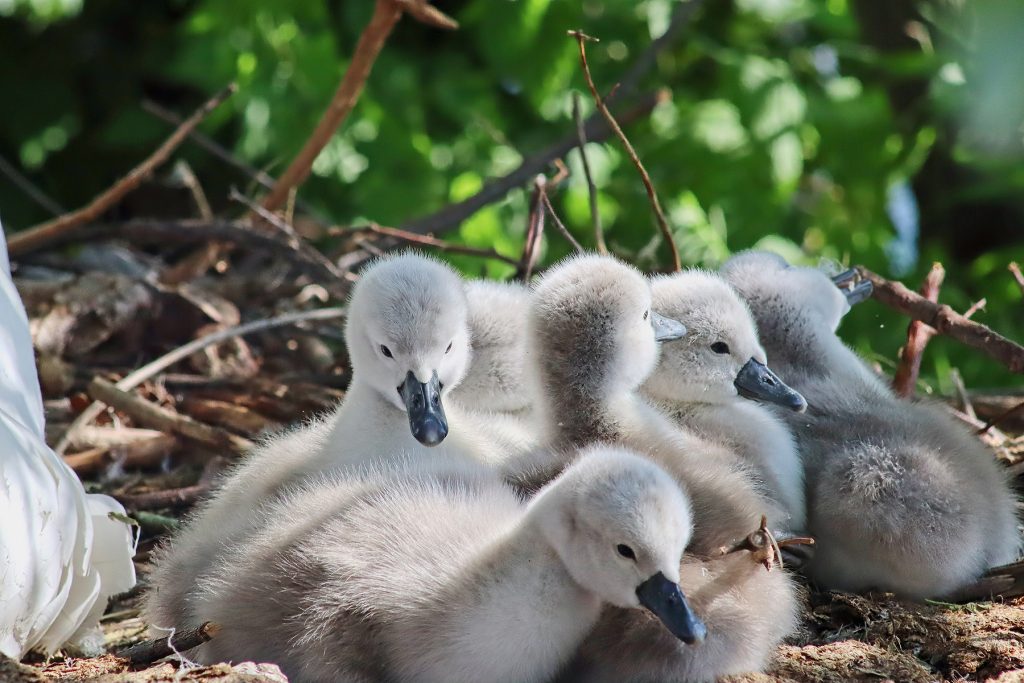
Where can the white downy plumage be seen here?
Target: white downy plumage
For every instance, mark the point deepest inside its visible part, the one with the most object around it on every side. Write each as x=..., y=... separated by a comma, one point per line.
x=61, y=553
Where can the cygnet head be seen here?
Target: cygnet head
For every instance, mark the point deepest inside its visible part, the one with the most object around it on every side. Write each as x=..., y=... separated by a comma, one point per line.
x=620, y=524
x=591, y=324
x=497, y=321
x=763, y=278
x=408, y=337
x=720, y=357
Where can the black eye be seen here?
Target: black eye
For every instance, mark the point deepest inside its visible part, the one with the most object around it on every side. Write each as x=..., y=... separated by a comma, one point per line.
x=720, y=347
x=646, y=313
x=449, y=346
x=626, y=552
x=386, y=351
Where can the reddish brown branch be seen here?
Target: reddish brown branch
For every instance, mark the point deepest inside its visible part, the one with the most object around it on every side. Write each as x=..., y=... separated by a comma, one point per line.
x=560, y=225
x=386, y=14
x=659, y=215
x=534, y=229
x=918, y=335
x=34, y=238
x=425, y=241
x=946, y=321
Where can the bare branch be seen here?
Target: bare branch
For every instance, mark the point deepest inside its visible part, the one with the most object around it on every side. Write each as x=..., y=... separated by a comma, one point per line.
x=149, y=370
x=34, y=238
x=158, y=648
x=386, y=14
x=452, y=215
x=595, y=214
x=151, y=415
x=426, y=241
x=534, y=229
x=29, y=188
x=946, y=321
x=918, y=335
x=1017, y=275
x=666, y=230
x=167, y=498
x=558, y=223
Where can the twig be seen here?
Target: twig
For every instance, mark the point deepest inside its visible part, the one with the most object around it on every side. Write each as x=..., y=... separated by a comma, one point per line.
x=534, y=229
x=386, y=14
x=158, y=648
x=595, y=214
x=1002, y=416
x=946, y=321
x=169, y=498
x=666, y=231
x=425, y=241
x=152, y=415
x=978, y=305
x=452, y=215
x=34, y=238
x=148, y=453
x=202, y=259
x=147, y=371
x=1017, y=275
x=595, y=128
x=29, y=188
x=961, y=392
x=558, y=223
x=335, y=275
x=918, y=335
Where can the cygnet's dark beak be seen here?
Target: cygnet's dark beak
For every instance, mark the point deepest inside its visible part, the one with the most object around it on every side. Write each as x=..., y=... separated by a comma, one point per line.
x=756, y=381
x=853, y=287
x=666, y=329
x=423, y=404
x=667, y=602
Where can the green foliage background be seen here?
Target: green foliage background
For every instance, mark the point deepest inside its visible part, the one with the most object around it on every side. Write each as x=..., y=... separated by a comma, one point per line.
x=791, y=125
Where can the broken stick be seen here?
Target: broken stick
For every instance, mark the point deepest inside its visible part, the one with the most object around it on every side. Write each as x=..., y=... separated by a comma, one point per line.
x=151, y=650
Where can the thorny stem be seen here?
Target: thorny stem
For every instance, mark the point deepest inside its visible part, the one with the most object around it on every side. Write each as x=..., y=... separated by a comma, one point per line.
x=666, y=231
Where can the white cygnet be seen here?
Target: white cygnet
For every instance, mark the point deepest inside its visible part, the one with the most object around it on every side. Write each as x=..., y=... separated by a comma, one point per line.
x=900, y=497
x=439, y=572
x=703, y=382
x=593, y=342
x=408, y=341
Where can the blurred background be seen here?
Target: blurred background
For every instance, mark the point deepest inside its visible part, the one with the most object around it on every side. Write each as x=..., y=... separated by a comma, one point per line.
x=887, y=134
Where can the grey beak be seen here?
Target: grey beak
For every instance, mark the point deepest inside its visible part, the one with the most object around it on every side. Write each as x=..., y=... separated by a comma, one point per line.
x=423, y=404
x=756, y=381
x=666, y=329
x=853, y=287
x=667, y=602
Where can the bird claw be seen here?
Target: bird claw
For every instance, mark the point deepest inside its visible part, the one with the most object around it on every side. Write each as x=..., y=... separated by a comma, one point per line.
x=763, y=546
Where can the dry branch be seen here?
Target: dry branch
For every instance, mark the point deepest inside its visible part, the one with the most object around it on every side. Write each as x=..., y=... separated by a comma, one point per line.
x=946, y=321
x=425, y=241
x=147, y=453
x=560, y=225
x=595, y=214
x=534, y=229
x=158, y=648
x=34, y=238
x=300, y=254
x=452, y=215
x=386, y=14
x=918, y=335
x=168, y=498
x=149, y=370
x=151, y=415
x=666, y=230
x=1017, y=275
